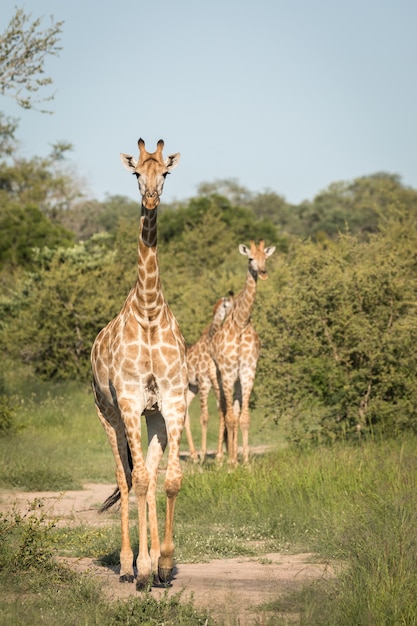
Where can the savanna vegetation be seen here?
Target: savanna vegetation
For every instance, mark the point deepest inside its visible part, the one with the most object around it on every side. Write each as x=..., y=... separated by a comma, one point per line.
x=336, y=388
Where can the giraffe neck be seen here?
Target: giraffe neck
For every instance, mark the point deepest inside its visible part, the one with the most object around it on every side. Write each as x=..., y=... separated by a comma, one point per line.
x=215, y=324
x=148, y=288
x=244, y=301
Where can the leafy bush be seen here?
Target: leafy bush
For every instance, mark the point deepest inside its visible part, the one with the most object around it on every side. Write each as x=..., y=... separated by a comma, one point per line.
x=25, y=541
x=338, y=357
x=7, y=414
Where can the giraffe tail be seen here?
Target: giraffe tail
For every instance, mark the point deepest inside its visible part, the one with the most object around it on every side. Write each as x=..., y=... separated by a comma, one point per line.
x=115, y=496
x=111, y=500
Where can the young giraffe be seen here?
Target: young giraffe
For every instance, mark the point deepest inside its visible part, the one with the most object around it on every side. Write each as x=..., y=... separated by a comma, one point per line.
x=139, y=368
x=202, y=374
x=235, y=349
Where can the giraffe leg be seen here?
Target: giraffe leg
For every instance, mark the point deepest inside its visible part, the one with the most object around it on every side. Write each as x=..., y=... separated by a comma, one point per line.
x=131, y=410
x=204, y=418
x=244, y=419
x=119, y=445
x=221, y=405
x=231, y=422
x=126, y=553
x=140, y=479
x=173, y=480
x=191, y=393
x=157, y=441
x=222, y=437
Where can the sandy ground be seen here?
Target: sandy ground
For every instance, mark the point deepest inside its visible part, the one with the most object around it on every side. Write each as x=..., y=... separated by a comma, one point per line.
x=230, y=588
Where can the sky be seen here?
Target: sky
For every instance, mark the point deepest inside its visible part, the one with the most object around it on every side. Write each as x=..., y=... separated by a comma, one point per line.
x=280, y=95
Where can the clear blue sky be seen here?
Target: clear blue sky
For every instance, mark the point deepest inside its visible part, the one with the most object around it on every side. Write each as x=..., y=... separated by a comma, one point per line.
x=286, y=95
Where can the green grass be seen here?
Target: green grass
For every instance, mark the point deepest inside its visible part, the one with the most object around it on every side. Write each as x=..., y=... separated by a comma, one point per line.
x=58, y=443
x=353, y=504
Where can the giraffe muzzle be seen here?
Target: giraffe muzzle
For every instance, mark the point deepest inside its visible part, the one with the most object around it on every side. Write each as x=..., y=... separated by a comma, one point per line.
x=150, y=200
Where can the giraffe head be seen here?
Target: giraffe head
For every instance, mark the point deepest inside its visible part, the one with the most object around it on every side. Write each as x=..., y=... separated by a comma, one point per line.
x=223, y=307
x=150, y=170
x=257, y=256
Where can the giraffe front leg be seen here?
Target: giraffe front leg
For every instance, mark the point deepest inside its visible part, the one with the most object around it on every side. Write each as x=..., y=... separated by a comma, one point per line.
x=231, y=423
x=232, y=432
x=126, y=553
x=244, y=418
x=221, y=406
x=221, y=437
x=173, y=480
x=140, y=480
x=157, y=441
x=244, y=427
x=193, y=453
x=204, y=419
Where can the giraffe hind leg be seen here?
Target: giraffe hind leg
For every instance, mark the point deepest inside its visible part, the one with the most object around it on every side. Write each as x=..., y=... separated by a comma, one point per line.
x=111, y=420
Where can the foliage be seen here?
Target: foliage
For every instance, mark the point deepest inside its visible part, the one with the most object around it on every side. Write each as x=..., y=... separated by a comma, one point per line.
x=347, y=206
x=88, y=217
x=24, y=541
x=169, y=610
x=7, y=414
x=339, y=358
x=24, y=228
x=37, y=181
x=24, y=47
x=60, y=311
x=8, y=127
x=353, y=206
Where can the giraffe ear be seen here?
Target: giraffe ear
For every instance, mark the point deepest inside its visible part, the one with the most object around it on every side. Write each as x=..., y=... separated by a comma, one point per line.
x=269, y=251
x=128, y=162
x=243, y=249
x=172, y=161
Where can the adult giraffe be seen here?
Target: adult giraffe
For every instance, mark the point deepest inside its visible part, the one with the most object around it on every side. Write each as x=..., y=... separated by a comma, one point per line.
x=139, y=368
x=235, y=348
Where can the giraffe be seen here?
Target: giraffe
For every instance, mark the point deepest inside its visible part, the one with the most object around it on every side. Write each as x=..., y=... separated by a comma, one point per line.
x=202, y=374
x=139, y=368
x=235, y=348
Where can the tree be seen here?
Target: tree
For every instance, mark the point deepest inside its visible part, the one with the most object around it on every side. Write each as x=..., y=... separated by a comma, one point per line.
x=24, y=228
x=339, y=353
x=356, y=206
x=8, y=126
x=24, y=47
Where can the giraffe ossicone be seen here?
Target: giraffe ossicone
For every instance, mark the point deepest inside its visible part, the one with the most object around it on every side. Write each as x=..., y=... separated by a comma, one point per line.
x=235, y=349
x=139, y=369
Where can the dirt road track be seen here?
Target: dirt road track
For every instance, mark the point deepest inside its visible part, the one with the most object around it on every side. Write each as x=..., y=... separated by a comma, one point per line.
x=230, y=588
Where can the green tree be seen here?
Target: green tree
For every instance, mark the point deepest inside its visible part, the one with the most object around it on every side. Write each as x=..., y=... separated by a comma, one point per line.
x=24, y=228
x=338, y=357
x=88, y=217
x=354, y=206
x=24, y=47
x=51, y=318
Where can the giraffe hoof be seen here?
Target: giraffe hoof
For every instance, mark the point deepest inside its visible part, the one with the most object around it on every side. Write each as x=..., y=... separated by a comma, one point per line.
x=165, y=575
x=143, y=583
x=126, y=578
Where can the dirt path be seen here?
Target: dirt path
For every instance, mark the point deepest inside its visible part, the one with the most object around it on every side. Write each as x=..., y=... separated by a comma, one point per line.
x=230, y=588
